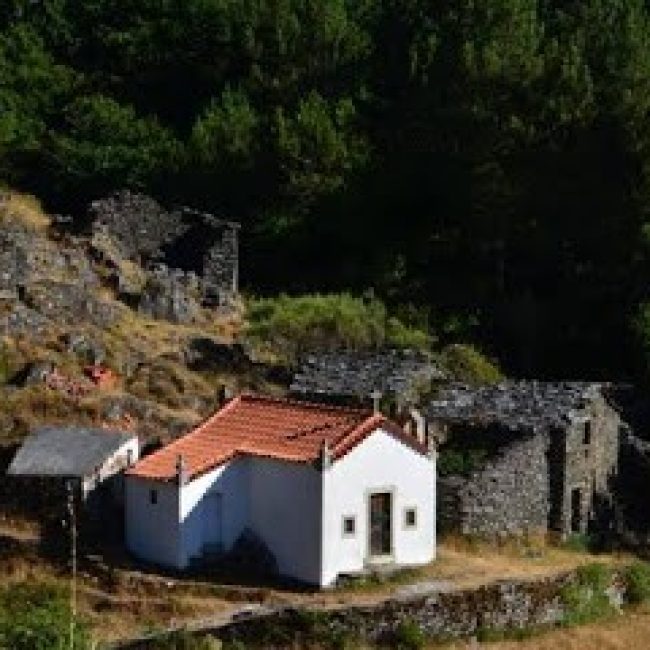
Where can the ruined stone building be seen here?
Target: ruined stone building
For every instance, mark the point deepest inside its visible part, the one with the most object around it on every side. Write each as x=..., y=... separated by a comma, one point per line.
x=398, y=375
x=521, y=457
x=187, y=248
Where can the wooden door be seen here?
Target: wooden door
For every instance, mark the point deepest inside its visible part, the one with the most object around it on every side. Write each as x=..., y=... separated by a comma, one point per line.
x=381, y=524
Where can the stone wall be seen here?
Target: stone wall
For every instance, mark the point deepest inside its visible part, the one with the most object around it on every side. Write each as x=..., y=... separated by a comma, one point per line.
x=508, y=495
x=221, y=268
x=591, y=461
x=171, y=294
x=442, y=614
x=137, y=225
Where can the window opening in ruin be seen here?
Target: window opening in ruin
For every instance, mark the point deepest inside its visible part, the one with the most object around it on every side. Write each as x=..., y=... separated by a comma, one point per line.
x=587, y=434
x=576, y=510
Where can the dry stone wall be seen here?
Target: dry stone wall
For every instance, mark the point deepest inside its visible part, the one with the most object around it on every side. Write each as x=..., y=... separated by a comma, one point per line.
x=508, y=495
x=438, y=613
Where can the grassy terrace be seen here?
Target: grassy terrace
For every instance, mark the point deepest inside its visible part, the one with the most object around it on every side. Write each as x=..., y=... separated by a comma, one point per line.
x=122, y=603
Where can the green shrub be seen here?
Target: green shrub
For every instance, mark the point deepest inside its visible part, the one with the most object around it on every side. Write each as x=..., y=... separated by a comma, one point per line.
x=456, y=462
x=466, y=364
x=292, y=325
x=37, y=617
x=637, y=582
x=409, y=636
x=586, y=598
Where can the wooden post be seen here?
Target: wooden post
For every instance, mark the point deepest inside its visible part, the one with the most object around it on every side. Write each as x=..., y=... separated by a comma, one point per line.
x=72, y=522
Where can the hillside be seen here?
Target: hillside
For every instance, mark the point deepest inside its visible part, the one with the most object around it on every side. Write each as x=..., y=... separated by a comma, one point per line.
x=61, y=313
x=97, y=326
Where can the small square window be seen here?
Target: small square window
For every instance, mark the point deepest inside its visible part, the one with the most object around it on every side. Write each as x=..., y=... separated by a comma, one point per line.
x=349, y=526
x=153, y=497
x=410, y=518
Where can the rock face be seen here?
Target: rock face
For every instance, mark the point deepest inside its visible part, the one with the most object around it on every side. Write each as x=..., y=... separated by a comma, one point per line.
x=550, y=458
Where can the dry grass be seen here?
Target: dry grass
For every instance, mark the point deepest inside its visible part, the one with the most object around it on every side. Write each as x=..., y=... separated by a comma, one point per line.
x=469, y=563
x=164, y=337
x=25, y=210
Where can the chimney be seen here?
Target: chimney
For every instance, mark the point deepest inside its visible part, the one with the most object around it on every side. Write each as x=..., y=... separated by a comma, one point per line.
x=432, y=448
x=375, y=396
x=181, y=471
x=224, y=395
x=420, y=425
x=325, y=455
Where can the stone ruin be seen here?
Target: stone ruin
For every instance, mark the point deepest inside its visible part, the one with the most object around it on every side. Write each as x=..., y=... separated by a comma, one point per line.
x=183, y=248
x=400, y=375
x=171, y=294
x=525, y=457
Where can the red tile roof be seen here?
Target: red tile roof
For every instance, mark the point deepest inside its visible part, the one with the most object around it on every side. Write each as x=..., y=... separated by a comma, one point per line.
x=269, y=427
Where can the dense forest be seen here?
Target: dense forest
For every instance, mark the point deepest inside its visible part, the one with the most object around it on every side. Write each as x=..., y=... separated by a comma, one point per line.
x=482, y=165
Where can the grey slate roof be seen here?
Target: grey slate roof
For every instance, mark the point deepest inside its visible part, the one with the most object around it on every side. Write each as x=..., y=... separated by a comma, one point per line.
x=514, y=405
x=66, y=451
x=347, y=374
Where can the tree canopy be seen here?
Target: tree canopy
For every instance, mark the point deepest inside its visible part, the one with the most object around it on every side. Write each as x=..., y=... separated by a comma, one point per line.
x=486, y=161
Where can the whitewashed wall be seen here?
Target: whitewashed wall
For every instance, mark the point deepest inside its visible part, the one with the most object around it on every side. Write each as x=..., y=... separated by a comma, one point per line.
x=152, y=531
x=112, y=469
x=294, y=507
x=285, y=512
x=232, y=482
x=381, y=463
